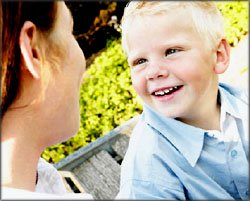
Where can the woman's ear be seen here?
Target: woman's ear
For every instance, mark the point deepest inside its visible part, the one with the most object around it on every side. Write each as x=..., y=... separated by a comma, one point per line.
x=222, y=56
x=27, y=41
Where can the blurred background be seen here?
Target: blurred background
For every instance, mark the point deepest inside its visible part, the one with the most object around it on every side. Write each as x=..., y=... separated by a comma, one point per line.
x=96, y=22
x=107, y=97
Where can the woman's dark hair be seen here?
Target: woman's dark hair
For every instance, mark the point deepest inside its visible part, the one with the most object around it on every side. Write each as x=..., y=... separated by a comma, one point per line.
x=13, y=15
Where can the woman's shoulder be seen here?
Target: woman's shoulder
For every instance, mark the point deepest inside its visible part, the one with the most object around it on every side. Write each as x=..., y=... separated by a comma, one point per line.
x=49, y=179
x=14, y=193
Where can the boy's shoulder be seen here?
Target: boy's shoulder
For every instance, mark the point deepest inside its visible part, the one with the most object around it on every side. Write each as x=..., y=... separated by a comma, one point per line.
x=142, y=133
x=142, y=143
x=145, y=159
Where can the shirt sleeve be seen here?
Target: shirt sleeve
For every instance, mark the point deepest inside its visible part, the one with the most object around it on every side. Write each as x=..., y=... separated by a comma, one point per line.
x=137, y=189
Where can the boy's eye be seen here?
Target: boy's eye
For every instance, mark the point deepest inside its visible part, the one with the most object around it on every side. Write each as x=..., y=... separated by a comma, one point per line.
x=139, y=61
x=171, y=51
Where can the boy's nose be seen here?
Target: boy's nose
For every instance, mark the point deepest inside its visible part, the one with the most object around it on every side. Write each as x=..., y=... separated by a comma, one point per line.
x=157, y=70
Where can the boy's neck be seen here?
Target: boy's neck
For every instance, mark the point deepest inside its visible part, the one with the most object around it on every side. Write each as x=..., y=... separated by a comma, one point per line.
x=209, y=120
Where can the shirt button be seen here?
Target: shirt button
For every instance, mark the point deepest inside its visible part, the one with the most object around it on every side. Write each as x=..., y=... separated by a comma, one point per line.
x=234, y=153
x=247, y=192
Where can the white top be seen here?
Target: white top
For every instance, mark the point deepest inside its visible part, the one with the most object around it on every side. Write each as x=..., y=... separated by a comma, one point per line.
x=49, y=179
x=49, y=186
x=13, y=193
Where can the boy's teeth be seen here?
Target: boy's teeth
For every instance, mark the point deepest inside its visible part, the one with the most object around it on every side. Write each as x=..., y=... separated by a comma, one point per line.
x=167, y=90
x=163, y=92
x=159, y=93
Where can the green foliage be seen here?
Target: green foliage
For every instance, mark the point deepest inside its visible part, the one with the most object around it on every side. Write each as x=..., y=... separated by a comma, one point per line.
x=235, y=15
x=107, y=97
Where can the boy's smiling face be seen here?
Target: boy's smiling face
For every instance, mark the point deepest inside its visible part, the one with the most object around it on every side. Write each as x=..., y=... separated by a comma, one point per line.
x=171, y=68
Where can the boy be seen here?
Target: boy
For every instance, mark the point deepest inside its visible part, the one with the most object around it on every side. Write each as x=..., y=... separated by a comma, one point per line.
x=191, y=141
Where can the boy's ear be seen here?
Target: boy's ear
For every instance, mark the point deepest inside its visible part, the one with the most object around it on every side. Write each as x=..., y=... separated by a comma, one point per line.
x=222, y=56
x=29, y=49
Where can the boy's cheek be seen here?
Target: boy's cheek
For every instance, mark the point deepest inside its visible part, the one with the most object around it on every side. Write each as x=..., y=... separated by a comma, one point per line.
x=135, y=85
x=140, y=90
x=139, y=83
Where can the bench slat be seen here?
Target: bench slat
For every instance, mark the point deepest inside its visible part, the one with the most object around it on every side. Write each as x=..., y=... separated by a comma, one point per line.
x=99, y=175
x=120, y=146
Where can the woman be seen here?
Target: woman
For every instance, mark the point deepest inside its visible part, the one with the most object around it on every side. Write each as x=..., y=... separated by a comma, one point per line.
x=42, y=67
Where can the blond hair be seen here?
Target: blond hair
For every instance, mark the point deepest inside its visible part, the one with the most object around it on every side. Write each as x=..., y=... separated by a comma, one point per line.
x=208, y=21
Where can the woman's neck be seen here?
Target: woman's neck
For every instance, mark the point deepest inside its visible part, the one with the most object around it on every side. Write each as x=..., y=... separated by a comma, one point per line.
x=20, y=153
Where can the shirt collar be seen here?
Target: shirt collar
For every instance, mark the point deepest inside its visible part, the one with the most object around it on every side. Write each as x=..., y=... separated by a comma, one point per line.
x=189, y=139
x=186, y=138
x=229, y=101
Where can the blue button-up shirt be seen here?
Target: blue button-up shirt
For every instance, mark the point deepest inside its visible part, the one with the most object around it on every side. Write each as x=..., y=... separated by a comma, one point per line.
x=168, y=159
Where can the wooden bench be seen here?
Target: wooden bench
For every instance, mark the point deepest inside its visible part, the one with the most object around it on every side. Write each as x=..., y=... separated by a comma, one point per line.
x=95, y=168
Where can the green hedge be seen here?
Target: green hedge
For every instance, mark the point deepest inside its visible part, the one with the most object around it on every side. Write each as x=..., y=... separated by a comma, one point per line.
x=107, y=96
x=235, y=19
